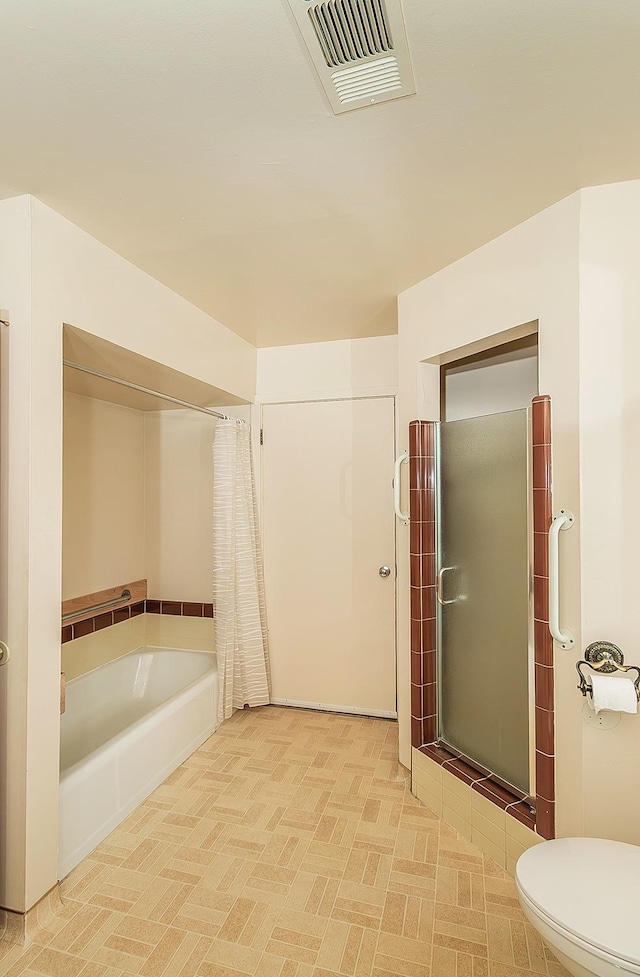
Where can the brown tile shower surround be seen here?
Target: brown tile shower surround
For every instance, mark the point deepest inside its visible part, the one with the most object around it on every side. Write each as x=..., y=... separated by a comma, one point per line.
x=422, y=547
x=543, y=644
x=104, y=620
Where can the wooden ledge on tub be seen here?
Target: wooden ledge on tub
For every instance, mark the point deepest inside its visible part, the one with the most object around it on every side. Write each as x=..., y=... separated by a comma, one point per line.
x=81, y=608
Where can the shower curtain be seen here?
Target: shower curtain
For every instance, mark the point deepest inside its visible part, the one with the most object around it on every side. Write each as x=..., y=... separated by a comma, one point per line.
x=238, y=584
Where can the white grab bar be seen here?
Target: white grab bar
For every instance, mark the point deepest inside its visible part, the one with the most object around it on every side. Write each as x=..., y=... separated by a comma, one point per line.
x=400, y=461
x=563, y=519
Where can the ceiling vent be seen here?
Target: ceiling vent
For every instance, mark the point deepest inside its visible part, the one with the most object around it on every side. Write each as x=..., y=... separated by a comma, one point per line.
x=359, y=49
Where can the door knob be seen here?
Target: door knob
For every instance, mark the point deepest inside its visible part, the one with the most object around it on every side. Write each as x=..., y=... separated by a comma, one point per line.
x=384, y=571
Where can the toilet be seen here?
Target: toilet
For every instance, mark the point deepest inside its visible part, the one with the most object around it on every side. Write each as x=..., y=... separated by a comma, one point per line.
x=583, y=897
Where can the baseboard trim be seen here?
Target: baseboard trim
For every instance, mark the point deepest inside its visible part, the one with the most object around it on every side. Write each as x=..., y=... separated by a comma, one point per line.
x=329, y=707
x=25, y=928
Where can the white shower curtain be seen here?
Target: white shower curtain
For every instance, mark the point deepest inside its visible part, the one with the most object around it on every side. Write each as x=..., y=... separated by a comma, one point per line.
x=238, y=584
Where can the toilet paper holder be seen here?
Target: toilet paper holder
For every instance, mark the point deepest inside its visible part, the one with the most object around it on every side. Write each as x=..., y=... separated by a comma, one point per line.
x=604, y=656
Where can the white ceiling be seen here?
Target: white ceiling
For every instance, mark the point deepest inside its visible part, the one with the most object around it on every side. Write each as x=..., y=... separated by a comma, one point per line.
x=191, y=136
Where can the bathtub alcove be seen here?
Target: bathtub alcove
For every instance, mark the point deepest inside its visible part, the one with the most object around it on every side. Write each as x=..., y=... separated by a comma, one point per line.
x=141, y=674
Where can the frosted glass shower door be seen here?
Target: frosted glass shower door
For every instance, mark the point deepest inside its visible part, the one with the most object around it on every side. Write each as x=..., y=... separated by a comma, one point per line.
x=484, y=591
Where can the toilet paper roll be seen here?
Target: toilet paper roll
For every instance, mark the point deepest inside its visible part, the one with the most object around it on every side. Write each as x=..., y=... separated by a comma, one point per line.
x=613, y=694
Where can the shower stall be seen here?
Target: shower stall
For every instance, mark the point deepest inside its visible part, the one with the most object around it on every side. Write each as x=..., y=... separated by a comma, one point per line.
x=479, y=515
x=484, y=608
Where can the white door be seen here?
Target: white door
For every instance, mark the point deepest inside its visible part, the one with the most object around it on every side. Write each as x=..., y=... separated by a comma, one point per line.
x=329, y=529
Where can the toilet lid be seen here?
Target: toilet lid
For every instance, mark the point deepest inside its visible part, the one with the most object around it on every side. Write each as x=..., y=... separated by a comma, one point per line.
x=589, y=887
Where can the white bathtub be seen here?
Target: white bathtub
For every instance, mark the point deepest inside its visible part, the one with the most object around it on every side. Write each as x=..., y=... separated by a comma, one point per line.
x=127, y=726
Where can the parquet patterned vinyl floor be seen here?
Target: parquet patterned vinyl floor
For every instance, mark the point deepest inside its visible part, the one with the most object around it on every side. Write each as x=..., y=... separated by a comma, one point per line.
x=288, y=845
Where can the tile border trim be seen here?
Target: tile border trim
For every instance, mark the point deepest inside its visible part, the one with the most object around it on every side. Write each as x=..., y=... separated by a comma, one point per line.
x=483, y=783
x=175, y=608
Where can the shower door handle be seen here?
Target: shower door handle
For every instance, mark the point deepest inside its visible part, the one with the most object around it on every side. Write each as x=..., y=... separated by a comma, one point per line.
x=440, y=587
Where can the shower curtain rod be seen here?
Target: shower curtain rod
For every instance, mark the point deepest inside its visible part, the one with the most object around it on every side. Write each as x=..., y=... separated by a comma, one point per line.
x=147, y=390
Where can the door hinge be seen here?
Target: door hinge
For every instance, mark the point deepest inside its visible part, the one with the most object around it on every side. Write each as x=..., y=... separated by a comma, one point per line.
x=261, y=436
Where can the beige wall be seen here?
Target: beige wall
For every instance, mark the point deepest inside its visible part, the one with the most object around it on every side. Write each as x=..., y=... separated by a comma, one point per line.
x=528, y=274
x=102, y=293
x=610, y=485
x=315, y=371
x=15, y=569
x=103, y=505
x=137, y=499
x=52, y=273
x=178, y=494
x=178, y=503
